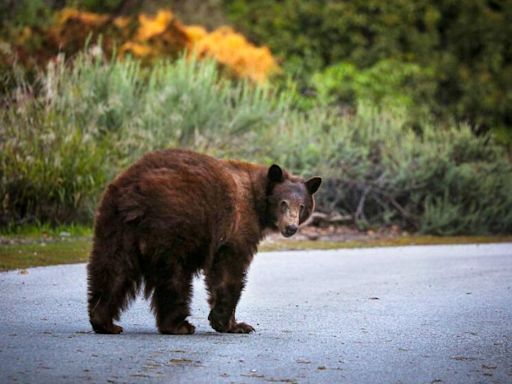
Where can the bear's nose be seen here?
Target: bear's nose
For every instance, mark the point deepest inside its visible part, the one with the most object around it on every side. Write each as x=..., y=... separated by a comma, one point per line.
x=290, y=230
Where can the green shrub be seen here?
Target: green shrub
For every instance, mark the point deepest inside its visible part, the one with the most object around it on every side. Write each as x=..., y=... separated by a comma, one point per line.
x=62, y=138
x=465, y=45
x=442, y=181
x=50, y=169
x=65, y=137
x=388, y=83
x=380, y=172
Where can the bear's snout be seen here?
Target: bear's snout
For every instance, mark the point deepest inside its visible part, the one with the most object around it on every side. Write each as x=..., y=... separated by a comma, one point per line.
x=290, y=230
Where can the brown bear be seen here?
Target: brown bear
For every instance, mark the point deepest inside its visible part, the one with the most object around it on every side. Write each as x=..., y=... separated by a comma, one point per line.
x=175, y=213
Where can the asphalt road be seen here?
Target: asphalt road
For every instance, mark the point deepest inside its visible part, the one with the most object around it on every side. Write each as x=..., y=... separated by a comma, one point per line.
x=439, y=314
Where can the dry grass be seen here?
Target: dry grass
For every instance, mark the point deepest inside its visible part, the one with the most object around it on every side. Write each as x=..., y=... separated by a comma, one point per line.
x=76, y=250
x=285, y=245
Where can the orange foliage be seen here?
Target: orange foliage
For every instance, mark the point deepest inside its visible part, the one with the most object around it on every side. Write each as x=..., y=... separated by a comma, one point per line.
x=223, y=45
x=233, y=50
x=149, y=37
x=157, y=36
x=195, y=33
x=152, y=26
x=87, y=18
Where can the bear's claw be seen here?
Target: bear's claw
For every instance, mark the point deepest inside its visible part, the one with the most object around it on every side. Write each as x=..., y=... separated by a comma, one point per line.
x=241, y=328
x=183, y=328
x=230, y=327
x=112, y=329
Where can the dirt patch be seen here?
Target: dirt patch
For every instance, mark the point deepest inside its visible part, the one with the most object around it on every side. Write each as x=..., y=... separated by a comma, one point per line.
x=338, y=234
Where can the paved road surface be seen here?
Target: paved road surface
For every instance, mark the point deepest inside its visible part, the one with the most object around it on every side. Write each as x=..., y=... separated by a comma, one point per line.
x=440, y=314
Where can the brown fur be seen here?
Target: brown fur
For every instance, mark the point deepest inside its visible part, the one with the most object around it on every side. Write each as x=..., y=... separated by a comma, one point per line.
x=174, y=213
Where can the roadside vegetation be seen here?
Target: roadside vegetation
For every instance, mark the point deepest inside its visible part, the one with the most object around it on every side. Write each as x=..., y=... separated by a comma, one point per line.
x=408, y=124
x=21, y=252
x=67, y=134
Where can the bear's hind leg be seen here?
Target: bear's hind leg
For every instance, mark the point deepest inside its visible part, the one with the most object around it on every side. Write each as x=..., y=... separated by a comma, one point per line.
x=171, y=301
x=109, y=293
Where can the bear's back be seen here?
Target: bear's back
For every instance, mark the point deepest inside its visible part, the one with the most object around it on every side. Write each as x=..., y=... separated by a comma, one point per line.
x=172, y=194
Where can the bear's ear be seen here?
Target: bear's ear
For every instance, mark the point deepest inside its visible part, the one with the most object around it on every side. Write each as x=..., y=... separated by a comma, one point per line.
x=275, y=173
x=313, y=184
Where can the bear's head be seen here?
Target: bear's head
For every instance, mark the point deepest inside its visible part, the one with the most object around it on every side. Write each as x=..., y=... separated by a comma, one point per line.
x=290, y=200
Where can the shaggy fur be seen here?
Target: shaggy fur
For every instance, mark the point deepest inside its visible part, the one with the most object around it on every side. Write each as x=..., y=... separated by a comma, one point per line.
x=174, y=213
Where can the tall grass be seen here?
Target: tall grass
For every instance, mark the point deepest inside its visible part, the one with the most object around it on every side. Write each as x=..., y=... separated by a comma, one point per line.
x=64, y=137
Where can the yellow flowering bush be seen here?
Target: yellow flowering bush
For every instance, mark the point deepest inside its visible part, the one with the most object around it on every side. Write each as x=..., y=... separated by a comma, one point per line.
x=234, y=51
x=148, y=37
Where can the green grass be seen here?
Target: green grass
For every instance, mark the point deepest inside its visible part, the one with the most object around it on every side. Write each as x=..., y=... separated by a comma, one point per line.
x=45, y=230
x=14, y=256
x=76, y=250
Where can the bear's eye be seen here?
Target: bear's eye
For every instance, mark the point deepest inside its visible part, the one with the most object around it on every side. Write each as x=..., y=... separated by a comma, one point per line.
x=284, y=206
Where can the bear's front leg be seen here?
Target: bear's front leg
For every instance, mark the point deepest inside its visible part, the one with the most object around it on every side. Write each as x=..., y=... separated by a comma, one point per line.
x=222, y=321
x=225, y=281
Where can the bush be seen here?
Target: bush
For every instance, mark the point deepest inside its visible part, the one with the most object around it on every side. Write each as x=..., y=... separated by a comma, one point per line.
x=62, y=139
x=390, y=84
x=147, y=37
x=465, y=44
x=442, y=181
x=51, y=170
